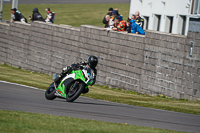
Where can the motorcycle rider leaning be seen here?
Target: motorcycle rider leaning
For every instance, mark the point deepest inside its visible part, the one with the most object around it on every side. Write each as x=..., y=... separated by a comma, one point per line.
x=91, y=62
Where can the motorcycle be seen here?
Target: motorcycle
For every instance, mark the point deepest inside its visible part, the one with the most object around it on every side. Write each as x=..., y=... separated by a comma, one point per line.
x=71, y=85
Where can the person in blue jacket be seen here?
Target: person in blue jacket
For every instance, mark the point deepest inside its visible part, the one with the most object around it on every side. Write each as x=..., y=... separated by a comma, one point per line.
x=115, y=13
x=135, y=28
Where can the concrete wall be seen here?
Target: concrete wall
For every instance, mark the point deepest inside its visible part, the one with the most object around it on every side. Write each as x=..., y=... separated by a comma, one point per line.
x=157, y=63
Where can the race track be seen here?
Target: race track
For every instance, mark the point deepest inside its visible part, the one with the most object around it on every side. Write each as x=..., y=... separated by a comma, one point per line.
x=29, y=99
x=68, y=1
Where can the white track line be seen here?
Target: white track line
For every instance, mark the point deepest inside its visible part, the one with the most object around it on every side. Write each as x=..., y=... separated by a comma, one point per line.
x=21, y=85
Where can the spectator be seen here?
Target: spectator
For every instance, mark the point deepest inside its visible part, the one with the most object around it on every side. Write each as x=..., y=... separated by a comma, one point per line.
x=17, y=16
x=139, y=20
x=110, y=24
x=23, y=19
x=135, y=28
x=110, y=12
x=128, y=28
x=120, y=16
x=119, y=25
x=105, y=21
x=133, y=17
x=36, y=16
x=116, y=14
x=50, y=16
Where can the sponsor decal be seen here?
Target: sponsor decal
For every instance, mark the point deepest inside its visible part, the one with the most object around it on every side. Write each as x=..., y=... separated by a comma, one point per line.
x=60, y=92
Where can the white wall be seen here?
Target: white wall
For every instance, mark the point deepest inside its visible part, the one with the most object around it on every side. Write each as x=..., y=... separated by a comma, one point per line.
x=173, y=8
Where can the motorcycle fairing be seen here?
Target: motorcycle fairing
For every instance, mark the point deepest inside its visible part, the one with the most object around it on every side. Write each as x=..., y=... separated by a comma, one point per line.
x=75, y=75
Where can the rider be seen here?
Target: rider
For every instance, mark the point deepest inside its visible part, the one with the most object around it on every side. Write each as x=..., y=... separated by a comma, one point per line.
x=91, y=62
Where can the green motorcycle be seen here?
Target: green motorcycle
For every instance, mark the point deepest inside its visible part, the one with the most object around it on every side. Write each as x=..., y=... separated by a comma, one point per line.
x=71, y=85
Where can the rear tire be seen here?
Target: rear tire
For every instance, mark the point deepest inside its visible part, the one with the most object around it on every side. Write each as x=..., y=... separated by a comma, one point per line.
x=49, y=93
x=73, y=95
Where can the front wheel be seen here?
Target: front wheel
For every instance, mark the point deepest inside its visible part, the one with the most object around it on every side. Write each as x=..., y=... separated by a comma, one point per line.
x=74, y=90
x=49, y=93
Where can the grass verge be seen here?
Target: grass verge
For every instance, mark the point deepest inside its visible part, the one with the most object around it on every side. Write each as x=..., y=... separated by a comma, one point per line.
x=42, y=81
x=71, y=14
x=20, y=122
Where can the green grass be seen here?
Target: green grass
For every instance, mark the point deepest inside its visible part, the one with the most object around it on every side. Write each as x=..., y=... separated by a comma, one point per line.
x=42, y=81
x=72, y=14
x=132, y=98
x=20, y=122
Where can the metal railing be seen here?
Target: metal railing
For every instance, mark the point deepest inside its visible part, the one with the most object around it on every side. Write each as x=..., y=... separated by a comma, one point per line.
x=196, y=7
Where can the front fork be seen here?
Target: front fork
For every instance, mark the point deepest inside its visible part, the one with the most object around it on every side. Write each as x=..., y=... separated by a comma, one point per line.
x=54, y=85
x=54, y=77
x=74, y=86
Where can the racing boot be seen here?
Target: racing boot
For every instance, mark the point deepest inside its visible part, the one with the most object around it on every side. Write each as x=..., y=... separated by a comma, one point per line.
x=86, y=90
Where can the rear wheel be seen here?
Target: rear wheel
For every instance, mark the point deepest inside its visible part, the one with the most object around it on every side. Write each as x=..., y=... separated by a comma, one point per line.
x=49, y=93
x=74, y=90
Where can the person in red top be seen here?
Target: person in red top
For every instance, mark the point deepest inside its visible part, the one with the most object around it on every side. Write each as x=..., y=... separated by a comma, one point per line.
x=119, y=25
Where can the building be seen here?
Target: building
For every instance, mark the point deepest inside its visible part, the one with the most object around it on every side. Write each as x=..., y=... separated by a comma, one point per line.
x=171, y=16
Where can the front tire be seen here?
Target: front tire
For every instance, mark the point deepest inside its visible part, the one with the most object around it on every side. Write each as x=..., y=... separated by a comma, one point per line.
x=49, y=93
x=73, y=93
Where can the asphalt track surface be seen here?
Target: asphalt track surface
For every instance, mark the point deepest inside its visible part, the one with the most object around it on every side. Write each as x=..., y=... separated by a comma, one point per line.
x=68, y=1
x=28, y=99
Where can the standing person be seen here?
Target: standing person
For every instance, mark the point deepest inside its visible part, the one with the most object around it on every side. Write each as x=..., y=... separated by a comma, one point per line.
x=115, y=13
x=120, y=16
x=119, y=25
x=110, y=12
x=133, y=17
x=17, y=16
x=36, y=16
x=139, y=20
x=110, y=23
x=105, y=21
x=128, y=27
x=135, y=28
x=50, y=16
x=23, y=19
